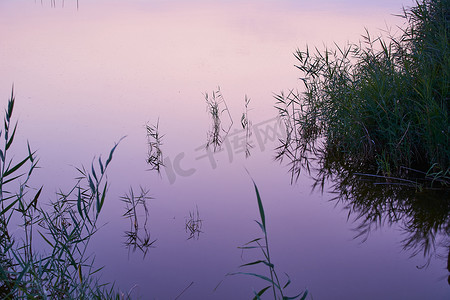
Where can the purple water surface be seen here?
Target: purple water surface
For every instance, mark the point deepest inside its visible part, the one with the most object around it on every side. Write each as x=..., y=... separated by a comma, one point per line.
x=86, y=77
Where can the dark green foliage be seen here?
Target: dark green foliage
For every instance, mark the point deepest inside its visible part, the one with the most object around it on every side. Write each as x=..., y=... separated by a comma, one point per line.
x=193, y=225
x=138, y=237
x=65, y=271
x=246, y=126
x=374, y=201
x=382, y=103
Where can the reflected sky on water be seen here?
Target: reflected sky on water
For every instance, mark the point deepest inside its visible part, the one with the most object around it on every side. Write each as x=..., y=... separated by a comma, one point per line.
x=86, y=77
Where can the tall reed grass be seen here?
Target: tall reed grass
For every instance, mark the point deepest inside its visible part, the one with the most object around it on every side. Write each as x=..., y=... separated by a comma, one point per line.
x=138, y=237
x=273, y=279
x=66, y=270
x=383, y=102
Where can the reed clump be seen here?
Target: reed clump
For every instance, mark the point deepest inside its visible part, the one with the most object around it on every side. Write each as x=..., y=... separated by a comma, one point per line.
x=64, y=269
x=382, y=103
x=216, y=106
x=138, y=237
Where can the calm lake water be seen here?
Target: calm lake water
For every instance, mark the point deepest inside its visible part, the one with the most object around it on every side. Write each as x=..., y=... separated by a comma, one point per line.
x=86, y=77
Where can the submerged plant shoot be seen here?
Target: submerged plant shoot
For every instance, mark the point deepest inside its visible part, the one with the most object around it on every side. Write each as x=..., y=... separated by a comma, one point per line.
x=382, y=103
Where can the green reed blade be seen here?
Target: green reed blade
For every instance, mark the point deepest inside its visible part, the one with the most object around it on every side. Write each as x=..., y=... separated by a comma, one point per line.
x=102, y=200
x=10, y=104
x=12, y=179
x=92, y=185
x=112, y=151
x=258, y=262
x=253, y=241
x=8, y=207
x=45, y=239
x=249, y=247
x=101, y=165
x=8, y=144
x=93, y=172
x=71, y=258
x=79, y=199
x=261, y=226
x=288, y=282
x=15, y=168
x=261, y=209
x=261, y=292
x=35, y=199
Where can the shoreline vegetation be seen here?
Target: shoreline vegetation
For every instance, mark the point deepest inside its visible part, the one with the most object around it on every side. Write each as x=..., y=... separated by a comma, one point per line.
x=381, y=105
x=62, y=268
x=373, y=121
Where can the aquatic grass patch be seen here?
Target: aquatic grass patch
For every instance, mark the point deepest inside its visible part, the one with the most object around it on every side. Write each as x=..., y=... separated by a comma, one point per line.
x=262, y=244
x=154, y=153
x=297, y=146
x=216, y=106
x=138, y=237
x=65, y=270
x=246, y=126
x=194, y=224
x=12, y=204
x=382, y=102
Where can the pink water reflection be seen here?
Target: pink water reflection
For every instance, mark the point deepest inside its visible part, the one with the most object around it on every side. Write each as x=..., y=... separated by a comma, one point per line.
x=84, y=78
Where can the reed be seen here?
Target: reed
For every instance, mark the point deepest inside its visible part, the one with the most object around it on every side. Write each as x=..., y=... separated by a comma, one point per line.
x=216, y=106
x=154, y=154
x=247, y=127
x=66, y=225
x=382, y=102
x=138, y=237
x=194, y=224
